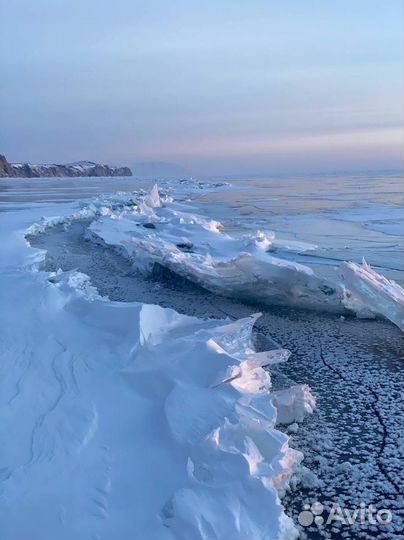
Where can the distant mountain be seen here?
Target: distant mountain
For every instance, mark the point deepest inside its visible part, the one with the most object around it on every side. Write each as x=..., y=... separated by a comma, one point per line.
x=159, y=168
x=76, y=169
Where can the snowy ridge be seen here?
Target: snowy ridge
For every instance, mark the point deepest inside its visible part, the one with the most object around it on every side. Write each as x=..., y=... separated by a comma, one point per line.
x=87, y=212
x=170, y=235
x=237, y=462
x=165, y=429
x=76, y=169
x=154, y=231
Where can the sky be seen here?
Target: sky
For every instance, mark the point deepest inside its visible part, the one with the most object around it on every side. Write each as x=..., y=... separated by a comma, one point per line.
x=217, y=86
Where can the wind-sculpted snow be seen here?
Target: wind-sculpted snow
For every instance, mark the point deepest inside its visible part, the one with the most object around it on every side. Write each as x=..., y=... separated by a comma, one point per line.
x=216, y=404
x=130, y=420
x=137, y=422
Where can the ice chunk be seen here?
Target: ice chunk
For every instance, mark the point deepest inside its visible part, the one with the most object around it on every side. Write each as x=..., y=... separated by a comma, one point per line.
x=153, y=200
x=294, y=245
x=369, y=291
x=293, y=403
x=201, y=251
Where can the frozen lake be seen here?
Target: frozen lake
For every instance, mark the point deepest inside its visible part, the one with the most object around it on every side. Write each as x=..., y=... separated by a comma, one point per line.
x=347, y=217
x=353, y=441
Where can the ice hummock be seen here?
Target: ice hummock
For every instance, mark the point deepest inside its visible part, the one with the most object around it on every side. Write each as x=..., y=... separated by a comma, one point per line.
x=172, y=236
x=130, y=420
x=370, y=292
x=154, y=232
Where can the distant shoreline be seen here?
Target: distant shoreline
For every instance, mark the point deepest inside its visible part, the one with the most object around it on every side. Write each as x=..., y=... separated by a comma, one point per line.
x=73, y=170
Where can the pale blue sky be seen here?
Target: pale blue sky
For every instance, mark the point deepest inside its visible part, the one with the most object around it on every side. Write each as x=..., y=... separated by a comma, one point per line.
x=218, y=86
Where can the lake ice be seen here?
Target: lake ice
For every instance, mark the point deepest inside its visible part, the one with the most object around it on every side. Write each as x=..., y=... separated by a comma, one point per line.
x=126, y=419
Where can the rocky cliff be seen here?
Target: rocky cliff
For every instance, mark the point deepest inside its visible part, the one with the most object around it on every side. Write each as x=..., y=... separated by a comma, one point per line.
x=79, y=168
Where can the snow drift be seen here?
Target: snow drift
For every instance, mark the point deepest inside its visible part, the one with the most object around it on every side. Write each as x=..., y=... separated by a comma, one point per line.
x=137, y=422
x=129, y=420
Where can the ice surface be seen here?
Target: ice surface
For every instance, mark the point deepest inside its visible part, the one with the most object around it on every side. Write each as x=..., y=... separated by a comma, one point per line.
x=130, y=420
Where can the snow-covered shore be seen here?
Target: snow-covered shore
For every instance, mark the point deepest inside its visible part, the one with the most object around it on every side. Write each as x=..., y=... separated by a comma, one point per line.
x=130, y=420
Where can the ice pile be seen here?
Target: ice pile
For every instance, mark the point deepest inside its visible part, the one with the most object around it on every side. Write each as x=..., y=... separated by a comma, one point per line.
x=132, y=421
x=217, y=407
x=371, y=292
x=156, y=232
x=129, y=420
x=170, y=235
